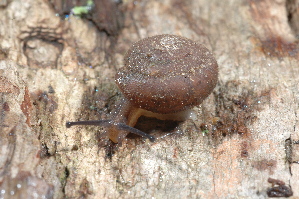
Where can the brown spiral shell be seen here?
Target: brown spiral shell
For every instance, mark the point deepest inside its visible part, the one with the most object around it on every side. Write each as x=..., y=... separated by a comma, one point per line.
x=167, y=74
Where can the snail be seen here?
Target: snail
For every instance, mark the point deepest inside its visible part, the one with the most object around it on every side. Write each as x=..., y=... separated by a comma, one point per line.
x=164, y=76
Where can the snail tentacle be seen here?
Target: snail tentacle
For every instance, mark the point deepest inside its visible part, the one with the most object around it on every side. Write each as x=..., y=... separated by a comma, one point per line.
x=107, y=123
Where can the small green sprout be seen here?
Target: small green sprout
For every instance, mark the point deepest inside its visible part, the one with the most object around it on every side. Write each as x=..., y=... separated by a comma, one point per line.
x=81, y=10
x=205, y=132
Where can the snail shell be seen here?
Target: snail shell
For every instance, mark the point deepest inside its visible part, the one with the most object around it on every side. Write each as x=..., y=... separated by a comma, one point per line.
x=167, y=74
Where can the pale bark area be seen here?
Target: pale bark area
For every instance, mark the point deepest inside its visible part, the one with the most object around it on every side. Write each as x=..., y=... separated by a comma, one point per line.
x=49, y=82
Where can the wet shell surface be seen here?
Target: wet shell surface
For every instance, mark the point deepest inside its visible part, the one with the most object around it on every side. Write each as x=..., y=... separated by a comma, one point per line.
x=167, y=74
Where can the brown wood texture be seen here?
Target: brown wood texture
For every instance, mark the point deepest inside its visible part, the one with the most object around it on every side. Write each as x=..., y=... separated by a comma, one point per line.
x=55, y=69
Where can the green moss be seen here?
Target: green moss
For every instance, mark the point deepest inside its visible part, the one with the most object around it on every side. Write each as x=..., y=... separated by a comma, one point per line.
x=81, y=10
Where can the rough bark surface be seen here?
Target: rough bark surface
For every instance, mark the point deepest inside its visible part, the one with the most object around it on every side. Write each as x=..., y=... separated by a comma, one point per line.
x=243, y=144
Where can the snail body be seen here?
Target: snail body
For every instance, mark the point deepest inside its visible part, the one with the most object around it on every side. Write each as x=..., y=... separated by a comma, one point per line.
x=163, y=77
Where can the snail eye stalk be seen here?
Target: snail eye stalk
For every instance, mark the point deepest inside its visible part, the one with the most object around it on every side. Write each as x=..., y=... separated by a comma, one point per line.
x=109, y=123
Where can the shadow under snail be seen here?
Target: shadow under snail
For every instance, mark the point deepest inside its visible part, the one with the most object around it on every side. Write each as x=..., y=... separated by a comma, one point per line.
x=164, y=76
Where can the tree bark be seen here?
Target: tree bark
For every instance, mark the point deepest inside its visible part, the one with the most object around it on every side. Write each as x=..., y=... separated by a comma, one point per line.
x=244, y=142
